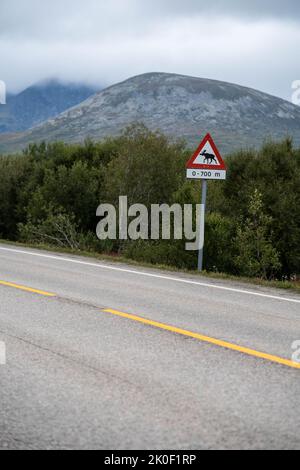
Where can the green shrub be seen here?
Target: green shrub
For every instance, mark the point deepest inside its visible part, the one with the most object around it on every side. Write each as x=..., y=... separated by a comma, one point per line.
x=219, y=247
x=56, y=230
x=256, y=255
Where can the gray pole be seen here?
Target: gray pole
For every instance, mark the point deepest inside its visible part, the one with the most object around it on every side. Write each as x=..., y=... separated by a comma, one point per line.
x=202, y=225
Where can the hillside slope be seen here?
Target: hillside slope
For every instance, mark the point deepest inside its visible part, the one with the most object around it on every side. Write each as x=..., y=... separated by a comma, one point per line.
x=180, y=106
x=40, y=102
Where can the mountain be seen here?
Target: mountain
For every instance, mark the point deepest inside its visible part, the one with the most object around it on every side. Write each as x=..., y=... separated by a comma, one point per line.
x=40, y=102
x=180, y=106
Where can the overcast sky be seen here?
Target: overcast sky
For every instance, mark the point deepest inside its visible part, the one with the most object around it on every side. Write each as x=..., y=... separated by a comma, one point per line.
x=254, y=43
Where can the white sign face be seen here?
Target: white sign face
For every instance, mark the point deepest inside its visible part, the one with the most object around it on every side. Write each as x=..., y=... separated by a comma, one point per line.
x=206, y=175
x=206, y=163
x=207, y=156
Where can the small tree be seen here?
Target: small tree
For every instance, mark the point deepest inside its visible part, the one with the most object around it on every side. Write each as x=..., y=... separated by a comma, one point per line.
x=149, y=168
x=256, y=255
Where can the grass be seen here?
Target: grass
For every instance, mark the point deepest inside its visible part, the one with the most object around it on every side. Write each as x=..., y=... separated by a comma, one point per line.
x=288, y=285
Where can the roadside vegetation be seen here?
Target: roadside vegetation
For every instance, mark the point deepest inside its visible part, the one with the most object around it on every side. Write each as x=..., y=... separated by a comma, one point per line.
x=49, y=195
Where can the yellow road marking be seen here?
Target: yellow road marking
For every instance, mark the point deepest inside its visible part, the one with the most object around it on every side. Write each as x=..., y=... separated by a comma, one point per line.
x=26, y=289
x=207, y=339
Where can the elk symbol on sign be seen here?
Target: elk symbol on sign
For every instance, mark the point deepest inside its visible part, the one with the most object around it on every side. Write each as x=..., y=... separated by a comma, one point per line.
x=208, y=157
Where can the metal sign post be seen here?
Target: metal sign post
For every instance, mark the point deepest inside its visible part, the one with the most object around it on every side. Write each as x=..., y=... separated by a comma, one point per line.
x=205, y=164
x=202, y=225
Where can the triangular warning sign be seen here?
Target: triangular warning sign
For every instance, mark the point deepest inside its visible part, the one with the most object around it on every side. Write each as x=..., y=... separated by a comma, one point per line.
x=206, y=157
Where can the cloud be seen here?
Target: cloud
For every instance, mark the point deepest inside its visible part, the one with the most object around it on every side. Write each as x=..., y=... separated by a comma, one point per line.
x=36, y=18
x=104, y=42
x=236, y=8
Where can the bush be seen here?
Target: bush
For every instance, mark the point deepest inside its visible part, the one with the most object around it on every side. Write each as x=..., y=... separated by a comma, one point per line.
x=57, y=230
x=219, y=247
x=256, y=256
x=163, y=252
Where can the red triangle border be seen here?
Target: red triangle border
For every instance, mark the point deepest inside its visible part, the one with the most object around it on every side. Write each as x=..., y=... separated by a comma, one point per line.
x=194, y=166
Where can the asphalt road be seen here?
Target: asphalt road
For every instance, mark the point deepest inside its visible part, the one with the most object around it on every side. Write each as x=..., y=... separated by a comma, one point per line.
x=131, y=358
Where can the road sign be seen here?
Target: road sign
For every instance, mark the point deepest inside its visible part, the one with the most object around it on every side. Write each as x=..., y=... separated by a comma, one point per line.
x=206, y=163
